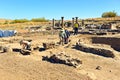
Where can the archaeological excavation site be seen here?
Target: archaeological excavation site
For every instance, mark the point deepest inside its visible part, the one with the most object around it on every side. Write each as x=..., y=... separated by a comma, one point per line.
x=38, y=50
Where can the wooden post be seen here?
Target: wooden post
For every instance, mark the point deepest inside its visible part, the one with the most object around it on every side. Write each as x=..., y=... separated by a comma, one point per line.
x=62, y=24
x=76, y=19
x=53, y=25
x=72, y=22
x=82, y=22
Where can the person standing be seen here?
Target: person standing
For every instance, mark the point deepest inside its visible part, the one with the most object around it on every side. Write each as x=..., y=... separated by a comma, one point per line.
x=62, y=36
x=76, y=25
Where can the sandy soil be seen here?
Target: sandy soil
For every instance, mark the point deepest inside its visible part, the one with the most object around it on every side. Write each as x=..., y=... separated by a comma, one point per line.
x=15, y=66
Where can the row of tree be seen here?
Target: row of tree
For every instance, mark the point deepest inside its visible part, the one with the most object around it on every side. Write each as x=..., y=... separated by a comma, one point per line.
x=26, y=20
x=104, y=15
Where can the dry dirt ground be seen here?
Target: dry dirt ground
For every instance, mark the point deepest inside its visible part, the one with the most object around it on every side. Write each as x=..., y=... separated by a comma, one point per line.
x=15, y=66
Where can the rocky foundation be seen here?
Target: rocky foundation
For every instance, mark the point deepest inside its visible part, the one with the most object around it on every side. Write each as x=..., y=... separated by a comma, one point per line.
x=95, y=50
x=62, y=58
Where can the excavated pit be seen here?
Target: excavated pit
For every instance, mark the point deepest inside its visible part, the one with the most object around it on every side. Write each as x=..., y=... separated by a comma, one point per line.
x=100, y=45
x=113, y=41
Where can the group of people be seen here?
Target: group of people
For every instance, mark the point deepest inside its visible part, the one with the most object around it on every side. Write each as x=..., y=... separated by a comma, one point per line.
x=65, y=34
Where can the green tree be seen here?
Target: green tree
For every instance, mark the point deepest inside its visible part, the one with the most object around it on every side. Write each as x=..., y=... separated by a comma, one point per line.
x=109, y=14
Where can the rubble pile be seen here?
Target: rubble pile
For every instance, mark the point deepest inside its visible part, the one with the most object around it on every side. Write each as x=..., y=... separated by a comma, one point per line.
x=99, y=31
x=62, y=58
x=49, y=45
x=5, y=49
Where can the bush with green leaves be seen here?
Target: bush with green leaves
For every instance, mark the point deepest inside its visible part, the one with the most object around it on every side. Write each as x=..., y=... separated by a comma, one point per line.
x=109, y=14
x=39, y=20
x=26, y=20
x=20, y=21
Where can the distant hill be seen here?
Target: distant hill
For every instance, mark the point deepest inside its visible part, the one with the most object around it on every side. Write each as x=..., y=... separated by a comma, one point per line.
x=104, y=19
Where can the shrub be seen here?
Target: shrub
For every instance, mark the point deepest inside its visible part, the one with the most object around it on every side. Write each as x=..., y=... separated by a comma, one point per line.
x=39, y=20
x=20, y=21
x=6, y=22
x=109, y=14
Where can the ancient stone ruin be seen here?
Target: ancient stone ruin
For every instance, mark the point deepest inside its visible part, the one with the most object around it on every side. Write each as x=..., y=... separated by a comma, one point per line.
x=94, y=50
x=62, y=58
x=114, y=41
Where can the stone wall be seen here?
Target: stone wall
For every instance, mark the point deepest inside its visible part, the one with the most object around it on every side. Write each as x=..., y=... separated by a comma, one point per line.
x=113, y=41
x=95, y=50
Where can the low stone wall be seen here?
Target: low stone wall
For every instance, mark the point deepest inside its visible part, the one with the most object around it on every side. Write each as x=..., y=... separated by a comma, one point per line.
x=95, y=50
x=113, y=41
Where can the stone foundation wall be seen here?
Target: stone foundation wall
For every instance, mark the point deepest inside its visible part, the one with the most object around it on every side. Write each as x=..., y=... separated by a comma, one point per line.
x=114, y=42
x=95, y=50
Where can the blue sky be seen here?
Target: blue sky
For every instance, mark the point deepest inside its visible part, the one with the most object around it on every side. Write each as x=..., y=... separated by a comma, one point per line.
x=19, y=9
